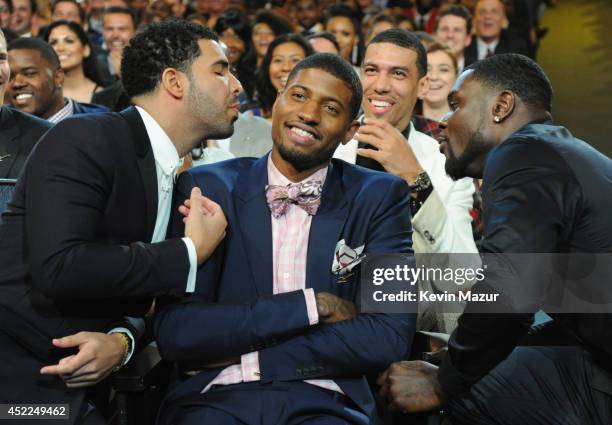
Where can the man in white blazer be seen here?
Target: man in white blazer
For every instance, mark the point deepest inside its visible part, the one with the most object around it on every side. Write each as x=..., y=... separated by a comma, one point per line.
x=394, y=67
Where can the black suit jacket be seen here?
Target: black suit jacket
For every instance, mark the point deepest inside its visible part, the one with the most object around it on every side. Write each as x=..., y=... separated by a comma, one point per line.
x=544, y=191
x=508, y=43
x=74, y=243
x=19, y=132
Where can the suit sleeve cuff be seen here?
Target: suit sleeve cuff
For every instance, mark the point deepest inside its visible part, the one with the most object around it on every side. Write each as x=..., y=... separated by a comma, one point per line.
x=129, y=334
x=430, y=219
x=249, y=363
x=311, y=306
x=193, y=265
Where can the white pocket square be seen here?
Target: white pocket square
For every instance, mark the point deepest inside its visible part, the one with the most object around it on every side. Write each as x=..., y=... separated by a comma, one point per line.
x=346, y=258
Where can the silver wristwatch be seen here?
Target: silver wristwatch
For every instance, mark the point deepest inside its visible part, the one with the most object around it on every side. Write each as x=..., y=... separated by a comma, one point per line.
x=421, y=183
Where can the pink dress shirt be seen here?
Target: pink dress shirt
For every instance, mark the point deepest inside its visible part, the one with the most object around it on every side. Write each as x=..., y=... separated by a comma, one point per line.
x=290, y=246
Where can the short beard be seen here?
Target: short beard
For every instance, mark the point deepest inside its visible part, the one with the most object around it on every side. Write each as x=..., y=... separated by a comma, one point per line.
x=302, y=162
x=217, y=124
x=463, y=166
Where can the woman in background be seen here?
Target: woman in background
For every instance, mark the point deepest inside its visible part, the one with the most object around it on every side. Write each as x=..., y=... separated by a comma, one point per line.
x=284, y=53
x=442, y=73
x=343, y=24
x=71, y=44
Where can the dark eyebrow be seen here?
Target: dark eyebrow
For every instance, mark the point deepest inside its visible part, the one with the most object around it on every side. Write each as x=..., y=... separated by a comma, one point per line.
x=223, y=62
x=326, y=98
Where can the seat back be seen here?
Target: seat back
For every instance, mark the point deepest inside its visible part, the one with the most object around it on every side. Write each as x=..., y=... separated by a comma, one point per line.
x=7, y=186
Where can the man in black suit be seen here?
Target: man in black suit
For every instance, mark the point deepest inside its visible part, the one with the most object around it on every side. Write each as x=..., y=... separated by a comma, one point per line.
x=82, y=242
x=491, y=38
x=544, y=191
x=19, y=132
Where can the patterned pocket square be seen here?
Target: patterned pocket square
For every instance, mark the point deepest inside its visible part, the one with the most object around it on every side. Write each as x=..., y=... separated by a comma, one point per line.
x=346, y=258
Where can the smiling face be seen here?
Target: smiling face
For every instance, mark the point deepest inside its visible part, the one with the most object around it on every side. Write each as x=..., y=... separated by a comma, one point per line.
x=35, y=87
x=467, y=133
x=442, y=75
x=489, y=19
x=309, y=119
x=68, y=47
x=452, y=31
x=262, y=35
x=235, y=45
x=390, y=80
x=342, y=28
x=118, y=31
x=284, y=58
x=21, y=20
x=307, y=13
x=66, y=10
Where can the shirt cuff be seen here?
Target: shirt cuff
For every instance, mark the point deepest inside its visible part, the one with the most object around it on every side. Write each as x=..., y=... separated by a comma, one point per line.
x=249, y=363
x=311, y=306
x=193, y=265
x=129, y=334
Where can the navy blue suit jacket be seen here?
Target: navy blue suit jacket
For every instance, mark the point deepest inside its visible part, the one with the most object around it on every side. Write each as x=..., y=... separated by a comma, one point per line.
x=234, y=311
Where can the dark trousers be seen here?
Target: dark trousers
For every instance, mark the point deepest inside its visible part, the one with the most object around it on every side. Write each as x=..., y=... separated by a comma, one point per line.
x=539, y=385
x=289, y=403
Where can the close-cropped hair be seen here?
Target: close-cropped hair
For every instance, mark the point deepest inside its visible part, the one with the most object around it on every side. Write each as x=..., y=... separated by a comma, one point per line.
x=41, y=46
x=78, y=5
x=407, y=40
x=123, y=11
x=458, y=10
x=339, y=68
x=172, y=43
x=517, y=74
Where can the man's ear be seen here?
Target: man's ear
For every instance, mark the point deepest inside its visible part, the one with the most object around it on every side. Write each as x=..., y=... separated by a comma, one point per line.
x=504, y=105
x=468, y=40
x=58, y=77
x=353, y=127
x=423, y=87
x=174, y=83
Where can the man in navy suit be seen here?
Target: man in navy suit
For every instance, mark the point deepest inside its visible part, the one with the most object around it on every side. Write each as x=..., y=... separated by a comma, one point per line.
x=272, y=334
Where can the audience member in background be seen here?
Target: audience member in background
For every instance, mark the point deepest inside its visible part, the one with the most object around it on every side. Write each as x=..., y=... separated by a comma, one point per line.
x=36, y=86
x=84, y=241
x=308, y=17
x=215, y=9
x=442, y=73
x=454, y=29
x=179, y=8
x=6, y=10
x=490, y=36
x=379, y=23
x=284, y=53
x=119, y=28
x=425, y=38
x=94, y=10
x=71, y=10
x=546, y=195
x=157, y=11
x=405, y=23
x=19, y=132
x=344, y=25
x=22, y=17
x=424, y=14
x=71, y=44
x=324, y=42
x=234, y=31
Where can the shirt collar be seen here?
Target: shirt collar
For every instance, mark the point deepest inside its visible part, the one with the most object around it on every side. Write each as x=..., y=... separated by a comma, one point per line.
x=65, y=112
x=275, y=177
x=486, y=46
x=164, y=151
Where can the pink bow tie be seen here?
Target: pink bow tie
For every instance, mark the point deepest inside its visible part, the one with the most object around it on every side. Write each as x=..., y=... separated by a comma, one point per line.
x=306, y=195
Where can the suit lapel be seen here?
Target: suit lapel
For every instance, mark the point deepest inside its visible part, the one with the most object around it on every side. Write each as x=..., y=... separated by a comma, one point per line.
x=146, y=165
x=325, y=231
x=10, y=148
x=255, y=223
